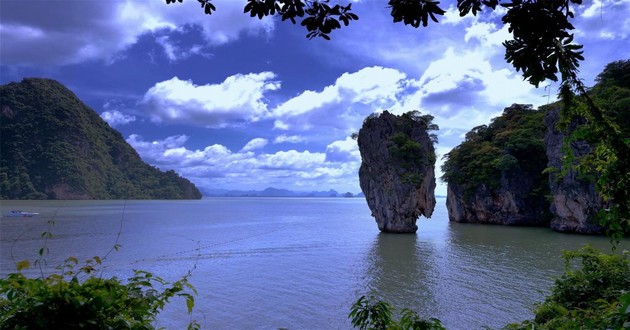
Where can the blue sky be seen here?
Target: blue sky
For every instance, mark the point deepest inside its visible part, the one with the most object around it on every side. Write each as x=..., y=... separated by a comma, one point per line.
x=232, y=102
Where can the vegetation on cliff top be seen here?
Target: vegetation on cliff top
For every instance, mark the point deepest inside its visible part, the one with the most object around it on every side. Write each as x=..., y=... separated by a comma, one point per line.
x=410, y=154
x=52, y=146
x=514, y=140
x=406, y=153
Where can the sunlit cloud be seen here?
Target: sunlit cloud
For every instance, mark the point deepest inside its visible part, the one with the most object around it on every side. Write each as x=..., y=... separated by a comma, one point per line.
x=237, y=100
x=257, y=143
x=116, y=118
x=344, y=104
x=217, y=166
x=283, y=138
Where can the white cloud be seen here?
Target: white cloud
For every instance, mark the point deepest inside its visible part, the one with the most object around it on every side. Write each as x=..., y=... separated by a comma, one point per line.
x=283, y=138
x=217, y=167
x=603, y=19
x=343, y=151
x=117, y=118
x=237, y=100
x=343, y=105
x=78, y=31
x=257, y=143
x=174, y=52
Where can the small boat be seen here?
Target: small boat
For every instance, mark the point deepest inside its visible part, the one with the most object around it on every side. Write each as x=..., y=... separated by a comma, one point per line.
x=18, y=213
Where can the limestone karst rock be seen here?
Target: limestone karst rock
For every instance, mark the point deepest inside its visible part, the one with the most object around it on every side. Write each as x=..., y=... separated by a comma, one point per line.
x=574, y=202
x=397, y=170
x=496, y=175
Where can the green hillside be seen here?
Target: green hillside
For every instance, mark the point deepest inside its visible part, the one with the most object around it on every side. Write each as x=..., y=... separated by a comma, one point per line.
x=53, y=146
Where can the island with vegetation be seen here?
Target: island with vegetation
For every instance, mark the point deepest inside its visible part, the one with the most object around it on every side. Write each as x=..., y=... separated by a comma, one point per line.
x=53, y=146
x=496, y=175
x=535, y=166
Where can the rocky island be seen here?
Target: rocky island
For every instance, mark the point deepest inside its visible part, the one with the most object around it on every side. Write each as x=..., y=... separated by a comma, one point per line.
x=397, y=172
x=496, y=175
x=521, y=169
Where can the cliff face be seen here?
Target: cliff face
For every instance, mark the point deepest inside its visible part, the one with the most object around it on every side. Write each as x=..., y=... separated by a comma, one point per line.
x=52, y=146
x=574, y=201
x=495, y=176
x=509, y=204
x=397, y=170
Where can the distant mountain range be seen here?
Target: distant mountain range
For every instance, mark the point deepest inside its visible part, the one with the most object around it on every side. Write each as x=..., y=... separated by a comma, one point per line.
x=274, y=192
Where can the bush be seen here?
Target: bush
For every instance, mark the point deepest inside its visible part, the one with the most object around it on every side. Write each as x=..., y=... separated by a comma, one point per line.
x=54, y=302
x=594, y=296
x=75, y=298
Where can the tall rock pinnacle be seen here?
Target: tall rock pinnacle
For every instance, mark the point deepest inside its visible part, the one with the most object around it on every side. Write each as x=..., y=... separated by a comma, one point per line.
x=397, y=171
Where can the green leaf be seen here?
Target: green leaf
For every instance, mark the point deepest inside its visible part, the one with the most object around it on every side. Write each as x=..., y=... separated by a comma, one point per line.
x=22, y=265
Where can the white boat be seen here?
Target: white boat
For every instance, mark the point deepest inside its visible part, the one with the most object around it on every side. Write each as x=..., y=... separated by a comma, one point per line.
x=18, y=213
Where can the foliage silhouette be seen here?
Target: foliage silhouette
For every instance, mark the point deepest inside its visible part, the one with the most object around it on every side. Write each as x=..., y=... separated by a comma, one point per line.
x=541, y=45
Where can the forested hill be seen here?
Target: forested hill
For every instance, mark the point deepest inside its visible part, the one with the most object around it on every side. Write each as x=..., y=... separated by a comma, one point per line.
x=53, y=146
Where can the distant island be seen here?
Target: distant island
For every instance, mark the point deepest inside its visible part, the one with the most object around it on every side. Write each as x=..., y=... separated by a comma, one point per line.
x=274, y=192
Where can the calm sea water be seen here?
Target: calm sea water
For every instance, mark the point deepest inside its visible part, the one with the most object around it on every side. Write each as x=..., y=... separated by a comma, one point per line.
x=300, y=263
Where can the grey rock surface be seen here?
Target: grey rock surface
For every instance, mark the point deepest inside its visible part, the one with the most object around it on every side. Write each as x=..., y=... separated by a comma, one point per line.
x=574, y=202
x=398, y=189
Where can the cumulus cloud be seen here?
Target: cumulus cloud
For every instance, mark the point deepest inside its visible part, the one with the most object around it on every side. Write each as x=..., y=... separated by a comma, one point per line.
x=238, y=99
x=343, y=151
x=257, y=143
x=117, y=118
x=283, y=138
x=216, y=166
x=345, y=103
x=174, y=51
x=78, y=31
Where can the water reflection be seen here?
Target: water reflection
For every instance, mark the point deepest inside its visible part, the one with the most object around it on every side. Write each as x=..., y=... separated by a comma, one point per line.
x=401, y=270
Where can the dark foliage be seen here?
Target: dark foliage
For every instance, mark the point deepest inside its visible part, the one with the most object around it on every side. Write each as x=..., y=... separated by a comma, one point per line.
x=593, y=293
x=541, y=45
x=605, y=116
x=52, y=146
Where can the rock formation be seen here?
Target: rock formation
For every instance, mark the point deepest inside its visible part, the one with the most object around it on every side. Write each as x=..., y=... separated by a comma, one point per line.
x=495, y=175
x=397, y=170
x=574, y=202
x=508, y=204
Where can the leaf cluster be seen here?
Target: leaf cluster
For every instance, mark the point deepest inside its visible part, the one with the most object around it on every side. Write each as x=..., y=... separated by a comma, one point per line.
x=95, y=303
x=371, y=313
x=543, y=48
x=321, y=18
x=74, y=297
x=593, y=293
x=415, y=12
x=600, y=118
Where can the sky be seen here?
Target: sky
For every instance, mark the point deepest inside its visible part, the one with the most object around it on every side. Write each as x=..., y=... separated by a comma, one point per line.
x=233, y=102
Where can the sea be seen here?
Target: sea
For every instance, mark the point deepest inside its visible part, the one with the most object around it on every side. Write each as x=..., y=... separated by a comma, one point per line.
x=297, y=263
